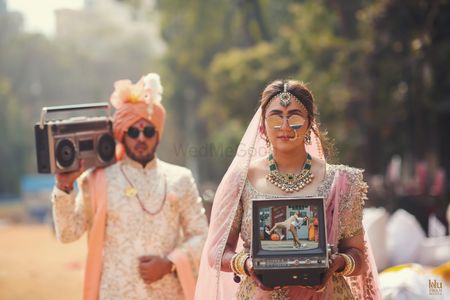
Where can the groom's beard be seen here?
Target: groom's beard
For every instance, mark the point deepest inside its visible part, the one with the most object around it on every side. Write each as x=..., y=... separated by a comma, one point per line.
x=143, y=160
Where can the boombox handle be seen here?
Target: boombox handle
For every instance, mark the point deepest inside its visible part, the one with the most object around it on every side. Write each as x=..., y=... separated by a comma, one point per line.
x=59, y=108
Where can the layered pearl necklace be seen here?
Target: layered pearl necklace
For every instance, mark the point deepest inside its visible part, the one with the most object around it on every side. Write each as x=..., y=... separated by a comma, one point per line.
x=290, y=182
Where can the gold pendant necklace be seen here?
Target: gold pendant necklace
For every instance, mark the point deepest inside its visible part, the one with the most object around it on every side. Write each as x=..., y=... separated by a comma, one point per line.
x=290, y=182
x=131, y=191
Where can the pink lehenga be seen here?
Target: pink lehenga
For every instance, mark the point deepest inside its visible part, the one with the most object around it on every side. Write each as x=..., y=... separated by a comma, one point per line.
x=343, y=189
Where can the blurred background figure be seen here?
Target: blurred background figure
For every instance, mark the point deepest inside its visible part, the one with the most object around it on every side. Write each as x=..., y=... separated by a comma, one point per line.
x=378, y=69
x=413, y=281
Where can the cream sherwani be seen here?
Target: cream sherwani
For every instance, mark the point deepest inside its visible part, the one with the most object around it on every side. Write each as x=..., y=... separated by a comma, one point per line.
x=155, y=225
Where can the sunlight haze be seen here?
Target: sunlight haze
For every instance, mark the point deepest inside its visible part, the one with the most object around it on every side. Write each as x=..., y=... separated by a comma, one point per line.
x=39, y=15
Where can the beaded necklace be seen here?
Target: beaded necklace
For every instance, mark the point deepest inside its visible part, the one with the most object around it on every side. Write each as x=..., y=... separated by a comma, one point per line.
x=290, y=182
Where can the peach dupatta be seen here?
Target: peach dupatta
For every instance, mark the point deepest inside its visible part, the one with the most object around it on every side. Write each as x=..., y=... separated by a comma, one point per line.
x=94, y=260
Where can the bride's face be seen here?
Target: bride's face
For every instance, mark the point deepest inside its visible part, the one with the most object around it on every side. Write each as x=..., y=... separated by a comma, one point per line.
x=286, y=126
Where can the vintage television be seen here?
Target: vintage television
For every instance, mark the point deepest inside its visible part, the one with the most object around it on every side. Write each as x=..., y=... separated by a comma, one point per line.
x=278, y=259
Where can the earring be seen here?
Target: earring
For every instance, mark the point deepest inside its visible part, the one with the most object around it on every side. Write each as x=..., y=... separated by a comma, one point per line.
x=263, y=135
x=307, y=137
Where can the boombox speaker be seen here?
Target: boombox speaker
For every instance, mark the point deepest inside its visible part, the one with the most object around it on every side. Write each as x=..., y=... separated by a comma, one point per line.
x=61, y=144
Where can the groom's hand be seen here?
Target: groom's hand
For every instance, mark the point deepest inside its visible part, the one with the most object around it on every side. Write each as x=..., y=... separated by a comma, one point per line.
x=152, y=268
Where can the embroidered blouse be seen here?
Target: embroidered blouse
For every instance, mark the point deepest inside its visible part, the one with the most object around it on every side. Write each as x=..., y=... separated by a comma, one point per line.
x=350, y=224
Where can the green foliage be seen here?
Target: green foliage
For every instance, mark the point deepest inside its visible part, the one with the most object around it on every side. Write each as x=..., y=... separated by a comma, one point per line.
x=227, y=75
x=13, y=149
x=405, y=84
x=378, y=71
x=195, y=33
x=36, y=71
x=365, y=61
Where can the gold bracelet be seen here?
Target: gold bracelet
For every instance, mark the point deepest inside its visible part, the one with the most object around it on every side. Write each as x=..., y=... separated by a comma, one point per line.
x=352, y=265
x=246, y=256
x=239, y=263
x=352, y=269
x=232, y=263
x=348, y=265
x=247, y=270
x=235, y=263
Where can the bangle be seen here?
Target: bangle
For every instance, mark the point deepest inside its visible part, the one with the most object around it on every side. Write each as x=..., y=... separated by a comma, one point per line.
x=246, y=270
x=242, y=260
x=349, y=265
x=237, y=264
x=233, y=267
x=352, y=269
x=232, y=262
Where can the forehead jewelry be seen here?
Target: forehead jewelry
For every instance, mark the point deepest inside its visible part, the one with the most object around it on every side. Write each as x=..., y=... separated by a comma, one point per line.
x=285, y=97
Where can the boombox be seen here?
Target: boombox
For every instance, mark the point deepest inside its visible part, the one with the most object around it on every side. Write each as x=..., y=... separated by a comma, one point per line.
x=61, y=144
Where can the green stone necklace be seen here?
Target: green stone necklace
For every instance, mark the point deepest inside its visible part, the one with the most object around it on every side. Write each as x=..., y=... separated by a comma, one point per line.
x=290, y=182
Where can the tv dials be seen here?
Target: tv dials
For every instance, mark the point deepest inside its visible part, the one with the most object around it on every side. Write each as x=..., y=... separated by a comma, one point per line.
x=287, y=262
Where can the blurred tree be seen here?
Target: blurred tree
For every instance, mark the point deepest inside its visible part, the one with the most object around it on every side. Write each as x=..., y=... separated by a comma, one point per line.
x=372, y=75
x=308, y=46
x=406, y=87
x=220, y=56
x=196, y=34
x=37, y=71
x=13, y=148
x=375, y=67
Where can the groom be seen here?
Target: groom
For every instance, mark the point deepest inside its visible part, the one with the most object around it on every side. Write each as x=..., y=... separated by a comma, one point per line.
x=133, y=210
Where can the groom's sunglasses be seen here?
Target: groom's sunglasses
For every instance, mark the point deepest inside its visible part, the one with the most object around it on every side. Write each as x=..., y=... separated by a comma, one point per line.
x=134, y=132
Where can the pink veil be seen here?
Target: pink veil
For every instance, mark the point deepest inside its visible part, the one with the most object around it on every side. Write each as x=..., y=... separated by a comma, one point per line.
x=214, y=284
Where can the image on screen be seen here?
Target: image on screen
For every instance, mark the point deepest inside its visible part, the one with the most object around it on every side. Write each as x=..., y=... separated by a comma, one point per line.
x=289, y=227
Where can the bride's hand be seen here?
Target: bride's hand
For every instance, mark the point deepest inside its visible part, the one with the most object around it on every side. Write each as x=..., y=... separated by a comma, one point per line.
x=249, y=269
x=337, y=262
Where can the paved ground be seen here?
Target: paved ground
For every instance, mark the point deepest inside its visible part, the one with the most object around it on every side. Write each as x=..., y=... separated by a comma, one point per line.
x=33, y=265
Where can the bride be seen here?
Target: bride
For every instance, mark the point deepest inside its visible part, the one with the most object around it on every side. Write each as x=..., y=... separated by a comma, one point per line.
x=280, y=155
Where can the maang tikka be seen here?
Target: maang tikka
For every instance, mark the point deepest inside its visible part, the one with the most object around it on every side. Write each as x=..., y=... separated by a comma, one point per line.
x=285, y=97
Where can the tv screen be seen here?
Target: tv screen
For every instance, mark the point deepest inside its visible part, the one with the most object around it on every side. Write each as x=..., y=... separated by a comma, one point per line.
x=289, y=227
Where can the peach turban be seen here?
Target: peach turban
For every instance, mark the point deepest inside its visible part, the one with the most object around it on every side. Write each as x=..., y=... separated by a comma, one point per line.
x=134, y=102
